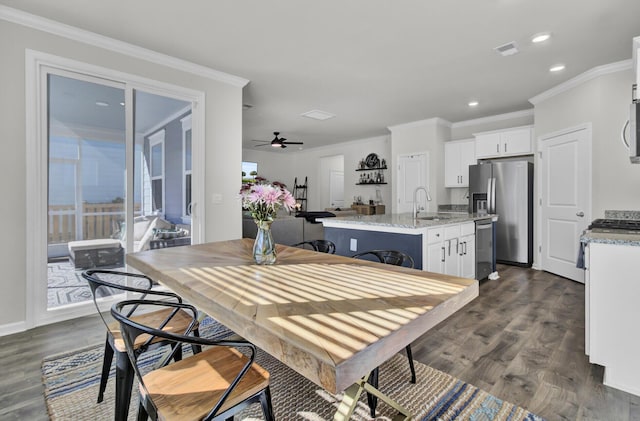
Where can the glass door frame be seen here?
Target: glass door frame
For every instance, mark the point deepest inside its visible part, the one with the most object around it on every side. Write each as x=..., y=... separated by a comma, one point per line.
x=38, y=66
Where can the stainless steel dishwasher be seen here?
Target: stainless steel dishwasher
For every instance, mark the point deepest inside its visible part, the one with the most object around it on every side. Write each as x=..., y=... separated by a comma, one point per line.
x=485, y=250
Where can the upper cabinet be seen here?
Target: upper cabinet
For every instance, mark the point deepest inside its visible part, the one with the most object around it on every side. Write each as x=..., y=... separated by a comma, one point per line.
x=507, y=142
x=458, y=155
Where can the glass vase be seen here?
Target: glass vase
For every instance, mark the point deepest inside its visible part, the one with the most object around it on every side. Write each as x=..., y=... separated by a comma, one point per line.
x=264, y=248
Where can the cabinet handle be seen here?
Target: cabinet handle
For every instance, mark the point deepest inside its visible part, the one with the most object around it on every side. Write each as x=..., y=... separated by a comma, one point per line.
x=465, y=248
x=505, y=147
x=457, y=246
x=497, y=148
x=443, y=254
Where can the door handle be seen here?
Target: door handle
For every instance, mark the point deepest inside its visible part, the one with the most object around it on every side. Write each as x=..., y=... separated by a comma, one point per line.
x=580, y=214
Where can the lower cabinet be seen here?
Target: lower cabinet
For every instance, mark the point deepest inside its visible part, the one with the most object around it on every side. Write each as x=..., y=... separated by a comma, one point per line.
x=451, y=250
x=612, y=313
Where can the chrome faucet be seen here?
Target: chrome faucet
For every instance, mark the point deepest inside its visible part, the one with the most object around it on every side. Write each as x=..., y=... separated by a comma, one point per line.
x=415, y=199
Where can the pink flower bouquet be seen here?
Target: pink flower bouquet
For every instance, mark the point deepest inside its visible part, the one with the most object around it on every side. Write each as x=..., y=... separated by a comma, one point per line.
x=263, y=199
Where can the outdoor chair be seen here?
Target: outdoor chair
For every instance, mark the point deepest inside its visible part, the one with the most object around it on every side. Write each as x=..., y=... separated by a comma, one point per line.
x=114, y=344
x=323, y=246
x=213, y=384
x=398, y=258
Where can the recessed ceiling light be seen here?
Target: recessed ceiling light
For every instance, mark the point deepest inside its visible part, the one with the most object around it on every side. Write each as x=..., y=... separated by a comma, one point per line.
x=102, y=104
x=556, y=68
x=318, y=115
x=541, y=37
x=473, y=103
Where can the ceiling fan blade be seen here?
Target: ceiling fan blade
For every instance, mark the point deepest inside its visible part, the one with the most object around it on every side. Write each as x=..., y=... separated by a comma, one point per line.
x=264, y=144
x=293, y=143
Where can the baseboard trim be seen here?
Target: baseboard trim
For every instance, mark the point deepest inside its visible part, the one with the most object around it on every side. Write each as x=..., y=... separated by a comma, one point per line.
x=11, y=328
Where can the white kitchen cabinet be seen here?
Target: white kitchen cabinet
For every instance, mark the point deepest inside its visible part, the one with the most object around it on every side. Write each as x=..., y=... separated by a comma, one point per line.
x=612, y=313
x=435, y=250
x=451, y=250
x=501, y=143
x=468, y=251
x=458, y=155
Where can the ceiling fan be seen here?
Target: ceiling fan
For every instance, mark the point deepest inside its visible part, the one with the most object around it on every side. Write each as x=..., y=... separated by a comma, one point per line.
x=278, y=142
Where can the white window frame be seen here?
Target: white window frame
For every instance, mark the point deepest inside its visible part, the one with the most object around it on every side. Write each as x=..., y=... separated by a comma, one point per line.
x=156, y=139
x=186, y=127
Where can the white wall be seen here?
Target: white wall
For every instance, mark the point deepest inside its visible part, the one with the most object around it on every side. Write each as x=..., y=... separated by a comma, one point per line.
x=423, y=136
x=603, y=101
x=285, y=166
x=223, y=151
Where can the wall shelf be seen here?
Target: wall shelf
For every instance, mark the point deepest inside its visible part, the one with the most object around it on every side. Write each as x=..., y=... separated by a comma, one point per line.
x=368, y=184
x=371, y=169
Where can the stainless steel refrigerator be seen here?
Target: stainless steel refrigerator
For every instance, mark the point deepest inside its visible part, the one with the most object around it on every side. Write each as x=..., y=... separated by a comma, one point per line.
x=505, y=188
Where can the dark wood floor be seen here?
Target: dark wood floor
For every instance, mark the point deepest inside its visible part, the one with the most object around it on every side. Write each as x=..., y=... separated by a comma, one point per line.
x=521, y=340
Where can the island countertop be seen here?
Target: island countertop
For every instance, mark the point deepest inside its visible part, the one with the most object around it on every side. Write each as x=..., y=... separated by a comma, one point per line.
x=404, y=221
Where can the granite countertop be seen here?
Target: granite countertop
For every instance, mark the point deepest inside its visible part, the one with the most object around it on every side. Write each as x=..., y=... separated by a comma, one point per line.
x=405, y=220
x=610, y=238
x=589, y=236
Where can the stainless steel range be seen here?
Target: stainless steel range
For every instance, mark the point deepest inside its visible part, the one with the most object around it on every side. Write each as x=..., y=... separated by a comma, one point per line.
x=616, y=226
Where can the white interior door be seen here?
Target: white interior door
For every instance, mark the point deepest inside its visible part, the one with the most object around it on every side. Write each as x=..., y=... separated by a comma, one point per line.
x=336, y=189
x=412, y=173
x=565, y=200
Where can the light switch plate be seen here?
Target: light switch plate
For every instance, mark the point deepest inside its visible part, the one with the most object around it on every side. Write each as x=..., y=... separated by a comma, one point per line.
x=353, y=245
x=216, y=198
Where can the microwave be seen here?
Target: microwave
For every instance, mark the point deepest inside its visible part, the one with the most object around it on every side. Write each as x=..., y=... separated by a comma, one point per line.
x=634, y=133
x=634, y=129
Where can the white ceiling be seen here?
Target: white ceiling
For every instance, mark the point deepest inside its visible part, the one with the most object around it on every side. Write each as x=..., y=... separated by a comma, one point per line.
x=373, y=63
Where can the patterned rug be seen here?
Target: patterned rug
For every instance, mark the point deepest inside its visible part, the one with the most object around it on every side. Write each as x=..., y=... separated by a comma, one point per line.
x=71, y=388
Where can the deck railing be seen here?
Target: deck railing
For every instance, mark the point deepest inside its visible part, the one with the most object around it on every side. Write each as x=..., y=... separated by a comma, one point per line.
x=99, y=220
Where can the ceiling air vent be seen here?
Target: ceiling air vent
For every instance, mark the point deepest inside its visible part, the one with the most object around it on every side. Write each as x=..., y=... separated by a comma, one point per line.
x=507, y=49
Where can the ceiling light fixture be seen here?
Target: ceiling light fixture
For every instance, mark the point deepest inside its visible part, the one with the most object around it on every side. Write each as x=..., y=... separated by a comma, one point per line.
x=318, y=115
x=102, y=104
x=473, y=103
x=541, y=37
x=556, y=68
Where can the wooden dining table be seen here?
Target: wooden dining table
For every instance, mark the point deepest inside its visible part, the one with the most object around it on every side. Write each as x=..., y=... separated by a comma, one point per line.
x=331, y=318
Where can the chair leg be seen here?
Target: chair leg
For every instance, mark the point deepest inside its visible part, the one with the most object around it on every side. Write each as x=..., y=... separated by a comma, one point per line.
x=142, y=412
x=196, y=348
x=411, y=366
x=124, y=383
x=372, y=400
x=265, y=402
x=106, y=367
x=177, y=355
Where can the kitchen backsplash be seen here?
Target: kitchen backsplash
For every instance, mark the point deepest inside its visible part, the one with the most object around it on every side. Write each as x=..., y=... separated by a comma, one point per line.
x=464, y=208
x=621, y=214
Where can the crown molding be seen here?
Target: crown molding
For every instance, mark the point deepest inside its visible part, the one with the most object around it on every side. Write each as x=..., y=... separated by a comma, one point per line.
x=582, y=78
x=434, y=121
x=493, y=118
x=70, y=32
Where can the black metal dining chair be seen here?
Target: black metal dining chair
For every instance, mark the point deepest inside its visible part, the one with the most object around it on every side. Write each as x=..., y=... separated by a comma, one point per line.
x=322, y=246
x=397, y=258
x=213, y=384
x=101, y=283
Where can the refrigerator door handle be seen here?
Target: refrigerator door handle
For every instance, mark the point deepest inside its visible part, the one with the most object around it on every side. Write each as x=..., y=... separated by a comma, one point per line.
x=493, y=196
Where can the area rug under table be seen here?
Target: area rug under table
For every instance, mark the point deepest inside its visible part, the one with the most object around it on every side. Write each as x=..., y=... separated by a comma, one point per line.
x=71, y=387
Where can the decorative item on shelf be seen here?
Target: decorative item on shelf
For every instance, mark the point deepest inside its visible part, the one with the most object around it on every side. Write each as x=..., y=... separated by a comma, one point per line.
x=263, y=199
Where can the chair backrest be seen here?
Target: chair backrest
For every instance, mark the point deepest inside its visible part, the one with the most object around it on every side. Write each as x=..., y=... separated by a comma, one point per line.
x=390, y=257
x=104, y=283
x=131, y=329
x=322, y=246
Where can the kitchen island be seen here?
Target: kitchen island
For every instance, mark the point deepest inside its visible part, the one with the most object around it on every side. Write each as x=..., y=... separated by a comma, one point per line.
x=437, y=242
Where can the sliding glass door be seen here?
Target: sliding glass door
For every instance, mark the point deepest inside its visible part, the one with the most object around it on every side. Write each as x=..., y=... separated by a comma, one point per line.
x=112, y=175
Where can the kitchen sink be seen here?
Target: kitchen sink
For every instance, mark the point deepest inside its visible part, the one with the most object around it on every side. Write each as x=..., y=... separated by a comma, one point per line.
x=435, y=217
